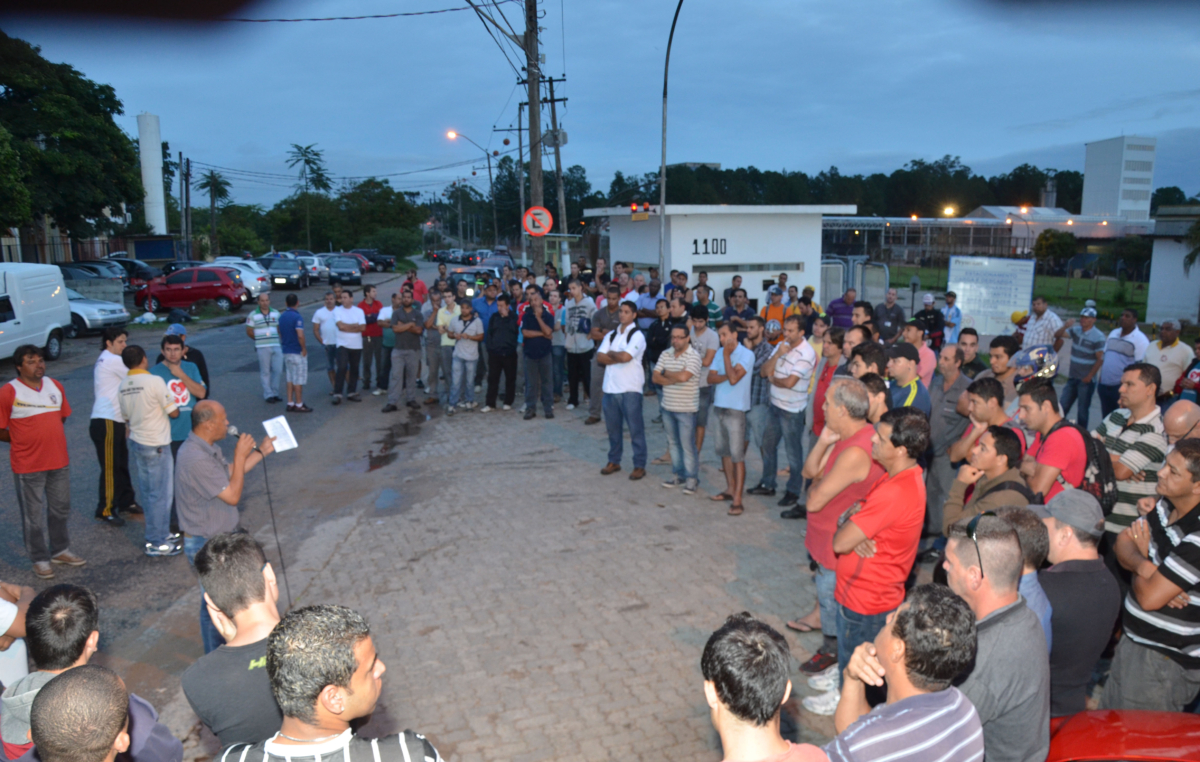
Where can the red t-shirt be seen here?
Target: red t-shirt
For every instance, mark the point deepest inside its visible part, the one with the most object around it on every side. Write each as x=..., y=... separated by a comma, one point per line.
x=419, y=289
x=372, y=329
x=892, y=515
x=822, y=525
x=1065, y=452
x=34, y=419
x=798, y=752
x=818, y=409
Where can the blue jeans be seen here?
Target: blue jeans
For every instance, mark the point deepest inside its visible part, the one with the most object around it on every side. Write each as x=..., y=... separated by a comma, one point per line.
x=1110, y=398
x=539, y=373
x=270, y=370
x=619, y=409
x=560, y=369
x=854, y=629
x=1077, y=389
x=681, y=442
x=448, y=371
x=790, y=428
x=154, y=474
x=826, y=582
x=462, y=381
x=208, y=631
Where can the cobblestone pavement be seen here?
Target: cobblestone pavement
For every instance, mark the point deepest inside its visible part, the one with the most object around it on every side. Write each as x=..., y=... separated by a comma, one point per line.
x=529, y=608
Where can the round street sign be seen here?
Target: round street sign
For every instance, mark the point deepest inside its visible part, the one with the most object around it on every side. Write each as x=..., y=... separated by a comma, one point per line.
x=537, y=221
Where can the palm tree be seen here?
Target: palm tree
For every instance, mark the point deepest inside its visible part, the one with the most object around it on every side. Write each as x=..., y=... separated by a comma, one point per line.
x=216, y=186
x=312, y=175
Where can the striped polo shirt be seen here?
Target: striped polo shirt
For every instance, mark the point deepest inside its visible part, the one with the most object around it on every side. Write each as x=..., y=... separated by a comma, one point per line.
x=1142, y=447
x=265, y=327
x=1175, y=549
x=941, y=726
x=685, y=397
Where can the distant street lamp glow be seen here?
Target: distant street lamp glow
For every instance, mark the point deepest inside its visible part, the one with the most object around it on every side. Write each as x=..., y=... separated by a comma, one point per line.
x=452, y=134
x=1070, y=222
x=1024, y=210
x=948, y=211
x=1104, y=222
x=914, y=216
x=1008, y=221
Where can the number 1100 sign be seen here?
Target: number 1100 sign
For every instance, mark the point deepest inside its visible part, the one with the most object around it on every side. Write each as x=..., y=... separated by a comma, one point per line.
x=709, y=246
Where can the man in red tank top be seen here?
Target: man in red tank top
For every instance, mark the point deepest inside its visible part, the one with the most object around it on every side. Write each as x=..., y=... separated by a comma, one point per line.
x=843, y=472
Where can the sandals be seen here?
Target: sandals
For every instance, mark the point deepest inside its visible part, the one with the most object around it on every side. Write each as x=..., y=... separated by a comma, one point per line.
x=736, y=510
x=800, y=626
x=721, y=497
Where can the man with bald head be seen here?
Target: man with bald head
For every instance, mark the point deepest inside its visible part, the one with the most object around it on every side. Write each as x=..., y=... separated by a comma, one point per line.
x=208, y=488
x=1182, y=421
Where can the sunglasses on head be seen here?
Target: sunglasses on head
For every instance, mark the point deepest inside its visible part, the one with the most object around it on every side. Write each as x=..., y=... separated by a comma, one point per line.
x=972, y=525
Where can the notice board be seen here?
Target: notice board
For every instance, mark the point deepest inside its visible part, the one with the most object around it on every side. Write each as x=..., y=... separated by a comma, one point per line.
x=989, y=290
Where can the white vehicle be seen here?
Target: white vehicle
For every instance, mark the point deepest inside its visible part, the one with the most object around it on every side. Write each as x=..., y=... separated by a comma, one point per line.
x=93, y=314
x=254, y=275
x=33, y=308
x=316, y=268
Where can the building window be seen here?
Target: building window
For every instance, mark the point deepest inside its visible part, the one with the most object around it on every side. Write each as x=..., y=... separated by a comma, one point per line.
x=1130, y=214
x=1137, y=180
x=1134, y=147
x=1138, y=166
x=1135, y=195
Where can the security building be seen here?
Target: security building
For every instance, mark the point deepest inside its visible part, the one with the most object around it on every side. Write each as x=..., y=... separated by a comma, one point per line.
x=756, y=242
x=1175, y=292
x=1118, y=177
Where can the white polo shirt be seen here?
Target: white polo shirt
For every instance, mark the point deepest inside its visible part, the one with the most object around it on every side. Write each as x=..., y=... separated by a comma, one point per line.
x=626, y=376
x=107, y=376
x=147, y=404
x=799, y=361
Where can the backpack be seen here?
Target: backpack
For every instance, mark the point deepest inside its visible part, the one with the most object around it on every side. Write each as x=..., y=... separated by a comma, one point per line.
x=1015, y=487
x=1099, y=480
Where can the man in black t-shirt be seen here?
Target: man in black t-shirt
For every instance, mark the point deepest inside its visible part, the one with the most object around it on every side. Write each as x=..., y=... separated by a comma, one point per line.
x=537, y=326
x=228, y=688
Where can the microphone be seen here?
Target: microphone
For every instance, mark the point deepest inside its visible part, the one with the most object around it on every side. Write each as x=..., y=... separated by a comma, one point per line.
x=231, y=431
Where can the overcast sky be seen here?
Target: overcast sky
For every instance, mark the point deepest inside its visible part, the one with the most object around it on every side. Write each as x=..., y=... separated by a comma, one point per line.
x=778, y=84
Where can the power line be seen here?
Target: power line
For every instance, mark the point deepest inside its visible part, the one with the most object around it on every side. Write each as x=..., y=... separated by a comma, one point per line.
x=360, y=18
x=484, y=20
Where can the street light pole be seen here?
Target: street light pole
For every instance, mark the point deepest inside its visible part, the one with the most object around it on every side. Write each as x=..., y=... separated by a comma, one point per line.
x=491, y=191
x=662, y=170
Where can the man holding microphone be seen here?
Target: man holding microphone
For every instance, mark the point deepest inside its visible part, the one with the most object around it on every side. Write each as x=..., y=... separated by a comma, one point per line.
x=208, y=488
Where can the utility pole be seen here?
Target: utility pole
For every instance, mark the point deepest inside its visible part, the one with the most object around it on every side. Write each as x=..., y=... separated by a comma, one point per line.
x=182, y=209
x=187, y=173
x=492, y=192
x=458, y=192
x=558, y=177
x=533, y=78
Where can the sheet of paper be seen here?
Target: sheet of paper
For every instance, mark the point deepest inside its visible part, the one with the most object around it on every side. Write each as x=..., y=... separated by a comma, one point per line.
x=282, y=432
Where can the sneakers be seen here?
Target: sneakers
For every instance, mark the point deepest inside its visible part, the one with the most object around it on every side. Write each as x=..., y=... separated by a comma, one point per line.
x=471, y=405
x=762, y=491
x=354, y=397
x=829, y=680
x=337, y=399
x=112, y=520
x=824, y=704
x=450, y=411
x=377, y=392
x=549, y=415
x=789, y=499
x=570, y=406
x=689, y=488
x=530, y=414
x=389, y=408
x=478, y=388
x=485, y=409
x=43, y=570
x=819, y=663
x=506, y=407
x=166, y=549
x=673, y=482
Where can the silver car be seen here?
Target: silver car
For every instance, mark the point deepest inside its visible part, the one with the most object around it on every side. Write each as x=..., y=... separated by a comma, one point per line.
x=92, y=314
x=316, y=268
x=254, y=276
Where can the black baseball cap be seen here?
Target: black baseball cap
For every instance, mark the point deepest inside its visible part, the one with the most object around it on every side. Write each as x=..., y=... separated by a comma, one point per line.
x=918, y=323
x=905, y=350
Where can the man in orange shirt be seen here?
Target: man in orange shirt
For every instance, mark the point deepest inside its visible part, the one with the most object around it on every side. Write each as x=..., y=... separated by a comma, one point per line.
x=773, y=315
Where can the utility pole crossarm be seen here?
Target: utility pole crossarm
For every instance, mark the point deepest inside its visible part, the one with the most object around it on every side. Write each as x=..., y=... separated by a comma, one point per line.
x=518, y=39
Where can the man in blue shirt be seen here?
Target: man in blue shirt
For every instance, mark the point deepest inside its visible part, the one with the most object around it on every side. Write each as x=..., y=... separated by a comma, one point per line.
x=537, y=328
x=907, y=389
x=729, y=376
x=485, y=306
x=295, y=355
x=739, y=314
x=952, y=316
x=186, y=388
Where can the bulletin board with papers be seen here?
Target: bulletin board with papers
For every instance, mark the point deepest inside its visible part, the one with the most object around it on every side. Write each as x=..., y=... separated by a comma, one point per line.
x=990, y=290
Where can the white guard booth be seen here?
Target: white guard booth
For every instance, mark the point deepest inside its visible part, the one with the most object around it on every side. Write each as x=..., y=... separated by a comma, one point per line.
x=756, y=242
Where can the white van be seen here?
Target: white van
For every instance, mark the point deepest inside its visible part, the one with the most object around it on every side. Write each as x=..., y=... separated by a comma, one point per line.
x=33, y=308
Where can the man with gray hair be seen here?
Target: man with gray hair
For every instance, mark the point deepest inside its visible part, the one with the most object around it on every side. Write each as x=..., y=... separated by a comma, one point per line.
x=1010, y=681
x=1172, y=357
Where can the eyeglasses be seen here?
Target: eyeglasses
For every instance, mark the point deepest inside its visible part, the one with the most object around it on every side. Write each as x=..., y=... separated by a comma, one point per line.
x=972, y=525
x=1186, y=434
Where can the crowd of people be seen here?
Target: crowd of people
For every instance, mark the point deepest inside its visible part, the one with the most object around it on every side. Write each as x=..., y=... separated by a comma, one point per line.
x=1062, y=555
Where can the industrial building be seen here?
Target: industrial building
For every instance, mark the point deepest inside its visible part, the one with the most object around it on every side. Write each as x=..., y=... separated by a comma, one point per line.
x=1118, y=177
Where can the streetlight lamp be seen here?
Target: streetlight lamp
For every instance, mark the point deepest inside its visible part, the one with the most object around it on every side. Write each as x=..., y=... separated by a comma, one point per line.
x=662, y=170
x=453, y=135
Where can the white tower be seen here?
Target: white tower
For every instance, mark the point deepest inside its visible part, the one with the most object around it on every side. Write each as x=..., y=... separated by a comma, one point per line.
x=150, y=148
x=1118, y=177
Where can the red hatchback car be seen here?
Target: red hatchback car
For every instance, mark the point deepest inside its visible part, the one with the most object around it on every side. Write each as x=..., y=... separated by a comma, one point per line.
x=183, y=288
x=1127, y=735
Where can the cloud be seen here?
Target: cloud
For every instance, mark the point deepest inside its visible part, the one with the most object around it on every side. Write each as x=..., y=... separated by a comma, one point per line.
x=1119, y=107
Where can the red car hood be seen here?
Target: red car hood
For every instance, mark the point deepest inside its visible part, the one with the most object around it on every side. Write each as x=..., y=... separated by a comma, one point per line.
x=1131, y=735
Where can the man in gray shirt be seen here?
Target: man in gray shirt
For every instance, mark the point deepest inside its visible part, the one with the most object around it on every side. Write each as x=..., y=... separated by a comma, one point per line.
x=947, y=396
x=408, y=326
x=889, y=316
x=604, y=319
x=1010, y=682
x=208, y=488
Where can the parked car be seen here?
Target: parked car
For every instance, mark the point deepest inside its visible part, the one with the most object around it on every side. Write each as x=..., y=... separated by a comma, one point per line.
x=254, y=276
x=288, y=272
x=183, y=288
x=92, y=314
x=277, y=255
x=345, y=269
x=179, y=264
x=33, y=308
x=1124, y=734
x=139, y=273
x=498, y=263
x=316, y=268
x=441, y=255
x=88, y=271
x=476, y=278
x=298, y=253
x=381, y=262
x=113, y=269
